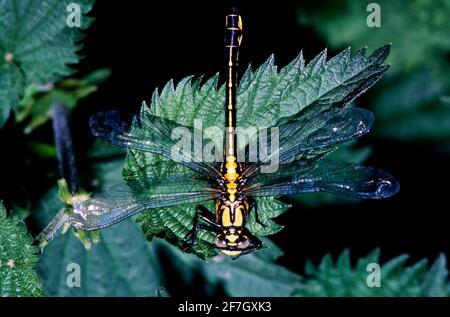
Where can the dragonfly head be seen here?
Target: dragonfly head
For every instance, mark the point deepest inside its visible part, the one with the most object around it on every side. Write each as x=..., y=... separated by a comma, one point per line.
x=232, y=241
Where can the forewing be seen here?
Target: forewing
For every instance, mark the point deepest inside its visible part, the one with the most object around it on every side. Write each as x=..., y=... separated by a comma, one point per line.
x=153, y=135
x=129, y=198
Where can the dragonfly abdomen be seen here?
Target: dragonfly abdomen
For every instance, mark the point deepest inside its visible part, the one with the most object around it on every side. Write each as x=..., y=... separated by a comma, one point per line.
x=233, y=30
x=233, y=38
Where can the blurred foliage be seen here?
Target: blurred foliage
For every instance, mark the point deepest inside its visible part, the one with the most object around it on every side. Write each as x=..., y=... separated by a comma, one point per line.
x=266, y=97
x=413, y=107
x=254, y=275
x=396, y=279
x=27, y=148
x=410, y=102
x=417, y=29
x=17, y=258
x=35, y=107
x=36, y=46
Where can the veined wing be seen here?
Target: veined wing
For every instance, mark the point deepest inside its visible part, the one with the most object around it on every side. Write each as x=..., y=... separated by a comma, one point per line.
x=153, y=135
x=323, y=130
x=311, y=136
x=129, y=198
x=329, y=176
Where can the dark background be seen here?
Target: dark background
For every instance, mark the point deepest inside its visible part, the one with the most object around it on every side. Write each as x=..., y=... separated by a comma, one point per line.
x=146, y=44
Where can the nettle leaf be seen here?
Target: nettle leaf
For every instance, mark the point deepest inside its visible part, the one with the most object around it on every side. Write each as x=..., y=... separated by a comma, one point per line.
x=17, y=259
x=266, y=97
x=36, y=45
x=252, y=275
x=396, y=279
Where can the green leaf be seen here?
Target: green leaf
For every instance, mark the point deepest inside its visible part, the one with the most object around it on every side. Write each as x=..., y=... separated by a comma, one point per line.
x=266, y=97
x=17, y=259
x=11, y=87
x=121, y=264
x=96, y=78
x=435, y=282
x=396, y=279
x=343, y=261
x=251, y=275
x=36, y=46
x=42, y=150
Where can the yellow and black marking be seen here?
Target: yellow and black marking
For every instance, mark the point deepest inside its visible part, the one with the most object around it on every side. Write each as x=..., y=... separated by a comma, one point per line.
x=233, y=40
x=232, y=206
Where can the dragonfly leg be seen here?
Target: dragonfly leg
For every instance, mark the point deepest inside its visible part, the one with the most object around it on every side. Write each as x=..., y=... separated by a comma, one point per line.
x=253, y=205
x=205, y=215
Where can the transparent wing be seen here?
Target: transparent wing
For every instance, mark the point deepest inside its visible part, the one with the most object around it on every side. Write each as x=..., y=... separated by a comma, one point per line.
x=328, y=176
x=151, y=134
x=129, y=198
x=323, y=130
x=313, y=136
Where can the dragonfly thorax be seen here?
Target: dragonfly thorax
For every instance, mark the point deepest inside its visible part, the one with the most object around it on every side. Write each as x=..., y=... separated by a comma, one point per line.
x=231, y=216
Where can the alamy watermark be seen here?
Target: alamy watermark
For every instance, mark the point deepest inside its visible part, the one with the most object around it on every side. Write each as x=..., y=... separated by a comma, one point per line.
x=374, y=18
x=207, y=145
x=73, y=19
x=374, y=278
x=74, y=277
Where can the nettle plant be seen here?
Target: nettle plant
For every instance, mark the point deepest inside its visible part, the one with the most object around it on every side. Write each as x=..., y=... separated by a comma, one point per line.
x=123, y=262
x=320, y=83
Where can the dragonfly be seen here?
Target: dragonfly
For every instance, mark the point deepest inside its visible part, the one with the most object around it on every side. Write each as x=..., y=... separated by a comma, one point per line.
x=233, y=185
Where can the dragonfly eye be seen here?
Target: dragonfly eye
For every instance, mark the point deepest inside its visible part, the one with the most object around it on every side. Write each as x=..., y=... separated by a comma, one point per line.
x=244, y=243
x=220, y=241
